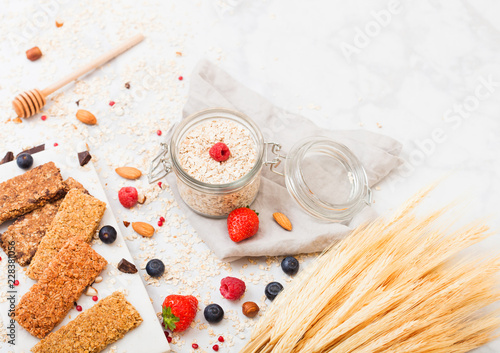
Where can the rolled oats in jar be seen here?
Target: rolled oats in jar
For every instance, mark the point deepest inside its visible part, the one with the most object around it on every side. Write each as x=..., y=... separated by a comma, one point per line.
x=207, y=186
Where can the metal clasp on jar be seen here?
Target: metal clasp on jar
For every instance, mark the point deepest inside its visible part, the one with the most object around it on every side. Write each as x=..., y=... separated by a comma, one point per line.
x=277, y=156
x=160, y=166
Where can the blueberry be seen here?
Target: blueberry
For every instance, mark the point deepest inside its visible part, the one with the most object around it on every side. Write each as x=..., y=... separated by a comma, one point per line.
x=290, y=265
x=273, y=289
x=155, y=268
x=107, y=234
x=213, y=313
x=24, y=161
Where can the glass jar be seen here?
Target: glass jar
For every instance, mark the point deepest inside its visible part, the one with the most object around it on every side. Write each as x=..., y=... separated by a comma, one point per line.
x=310, y=168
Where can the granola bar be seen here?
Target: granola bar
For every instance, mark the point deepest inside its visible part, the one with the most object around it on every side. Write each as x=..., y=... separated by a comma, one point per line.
x=71, y=183
x=78, y=216
x=30, y=190
x=24, y=235
x=95, y=329
x=46, y=304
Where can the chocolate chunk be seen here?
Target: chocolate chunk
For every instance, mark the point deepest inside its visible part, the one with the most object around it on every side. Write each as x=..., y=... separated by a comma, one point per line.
x=126, y=224
x=126, y=266
x=78, y=103
x=127, y=85
x=8, y=157
x=84, y=157
x=33, y=150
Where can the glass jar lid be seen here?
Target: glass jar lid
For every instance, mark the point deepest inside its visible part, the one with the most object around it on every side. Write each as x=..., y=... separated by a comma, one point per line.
x=326, y=179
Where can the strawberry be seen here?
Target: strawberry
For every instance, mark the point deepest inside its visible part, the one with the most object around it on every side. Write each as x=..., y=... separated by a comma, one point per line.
x=179, y=311
x=242, y=223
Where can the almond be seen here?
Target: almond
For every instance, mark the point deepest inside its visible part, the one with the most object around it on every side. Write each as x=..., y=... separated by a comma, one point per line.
x=282, y=220
x=86, y=117
x=128, y=172
x=144, y=229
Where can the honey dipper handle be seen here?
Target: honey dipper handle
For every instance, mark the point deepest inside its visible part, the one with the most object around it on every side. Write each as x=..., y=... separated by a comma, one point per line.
x=94, y=64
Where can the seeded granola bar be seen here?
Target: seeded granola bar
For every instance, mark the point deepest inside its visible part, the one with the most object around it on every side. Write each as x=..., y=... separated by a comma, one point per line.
x=95, y=329
x=30, y=191
x=46, y=304
x=24, y=235
x=78, y=216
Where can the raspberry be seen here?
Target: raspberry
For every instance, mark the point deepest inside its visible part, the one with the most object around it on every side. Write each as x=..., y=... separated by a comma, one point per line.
x=128, y=196
x=232, y=288
x=220, y=152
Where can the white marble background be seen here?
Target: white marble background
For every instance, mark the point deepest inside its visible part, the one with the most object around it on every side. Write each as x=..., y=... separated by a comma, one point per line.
x=423, y=72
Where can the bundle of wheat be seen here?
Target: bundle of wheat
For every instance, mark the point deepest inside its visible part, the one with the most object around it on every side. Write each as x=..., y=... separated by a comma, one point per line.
x=395, y=285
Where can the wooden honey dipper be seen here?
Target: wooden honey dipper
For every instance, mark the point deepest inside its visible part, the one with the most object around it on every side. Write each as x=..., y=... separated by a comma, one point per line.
x=31, y=102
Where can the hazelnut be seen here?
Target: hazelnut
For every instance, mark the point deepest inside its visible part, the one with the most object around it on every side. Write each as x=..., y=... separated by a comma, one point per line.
x=141, y=198
x=34, y=53
x=250, y=309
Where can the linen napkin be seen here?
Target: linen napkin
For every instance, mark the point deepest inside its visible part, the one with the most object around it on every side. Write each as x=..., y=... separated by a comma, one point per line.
x=212, y=87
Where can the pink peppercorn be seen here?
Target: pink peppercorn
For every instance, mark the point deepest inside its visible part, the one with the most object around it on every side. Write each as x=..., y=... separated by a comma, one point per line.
x=56, y=144
x=195, y=346
x=169, y=339
x=16, y=282
x=159, y=184
x=221, y=339
x=162, y=219
x=44, y=117
x=181, y=78
x=158, y=132
x=78, y=308
x=111, y=103
x=95, y=298
x=160, y=223
x=215, y=347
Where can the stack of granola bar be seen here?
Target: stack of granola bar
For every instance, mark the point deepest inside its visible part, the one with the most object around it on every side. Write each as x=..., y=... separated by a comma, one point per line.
x=55, y=221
